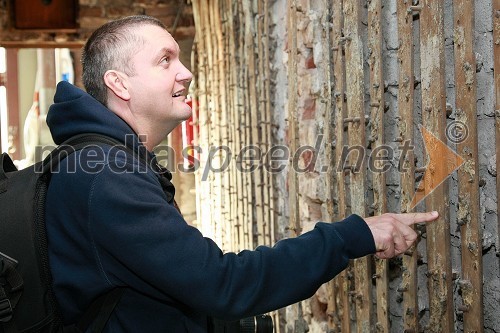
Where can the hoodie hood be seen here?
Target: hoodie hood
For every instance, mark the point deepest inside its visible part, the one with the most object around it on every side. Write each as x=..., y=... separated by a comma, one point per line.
x=76, y=112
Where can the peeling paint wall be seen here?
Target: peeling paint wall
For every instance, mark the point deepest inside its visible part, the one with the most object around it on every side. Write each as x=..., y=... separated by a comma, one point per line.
x=310, y=78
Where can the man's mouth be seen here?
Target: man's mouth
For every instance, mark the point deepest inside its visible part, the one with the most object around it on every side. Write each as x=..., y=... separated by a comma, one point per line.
x=178, y=93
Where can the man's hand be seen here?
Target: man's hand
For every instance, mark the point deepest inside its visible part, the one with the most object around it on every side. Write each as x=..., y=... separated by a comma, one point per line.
x=392, y=232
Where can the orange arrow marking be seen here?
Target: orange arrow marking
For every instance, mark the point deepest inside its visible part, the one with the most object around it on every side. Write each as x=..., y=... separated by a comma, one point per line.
x=443, y=161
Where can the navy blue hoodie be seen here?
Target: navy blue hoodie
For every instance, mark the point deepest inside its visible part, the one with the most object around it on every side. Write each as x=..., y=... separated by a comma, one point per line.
x=110, y=224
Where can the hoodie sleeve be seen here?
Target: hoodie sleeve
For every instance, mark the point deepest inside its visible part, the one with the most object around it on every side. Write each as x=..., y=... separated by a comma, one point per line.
x=142, y=242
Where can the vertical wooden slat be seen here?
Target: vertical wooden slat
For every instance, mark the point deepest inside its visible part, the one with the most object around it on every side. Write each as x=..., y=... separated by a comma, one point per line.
x=236, y=111
x=195, y=67
x=226, y=120
x=235, y=126
x=222, y=112
x=249, y=93
x=232, y=200
x=214, y=109
x=255, y=129
x=357, y=138
x=293, y=194
x=326, y=67
x=266, y=71
x=295, y=227
x=434, y=121
x=261, y=115
x=407, y=167
x=496, y=55
x=264, y=113
x=243, y=98
x=471, y=283
x=225, y=12
x=377, y=106
x=201, y=96
x=224, y=137
x=215, y=183
x=244, y=128
x=210, y=123
x=342, y=280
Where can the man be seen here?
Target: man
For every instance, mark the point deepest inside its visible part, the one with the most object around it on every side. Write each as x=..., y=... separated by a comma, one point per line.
x=111, y=225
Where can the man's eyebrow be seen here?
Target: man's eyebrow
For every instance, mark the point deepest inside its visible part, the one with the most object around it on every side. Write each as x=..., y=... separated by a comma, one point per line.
x=166, y=50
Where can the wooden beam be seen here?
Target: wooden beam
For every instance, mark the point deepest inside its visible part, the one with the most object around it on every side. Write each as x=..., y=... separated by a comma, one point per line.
x=294, y=225
x=255, y=131
x=471, y=281
x=293, y=135
x=407, y=162
x=222, y=128
x=357, y=139
x=229, y=77
x=434, y=121
x=324, y=38
x=246, y=129
x=239, y=114
x=343, y=281
x=377, y=105
x=265, y=119
x=214, y=178
x=496, y=56
x=201, y=95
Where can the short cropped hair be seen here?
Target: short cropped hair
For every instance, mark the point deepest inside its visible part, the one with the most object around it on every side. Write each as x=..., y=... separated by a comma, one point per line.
x=112, y=46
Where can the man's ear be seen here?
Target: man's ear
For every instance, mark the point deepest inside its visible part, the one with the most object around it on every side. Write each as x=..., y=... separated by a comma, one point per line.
x=118, y=84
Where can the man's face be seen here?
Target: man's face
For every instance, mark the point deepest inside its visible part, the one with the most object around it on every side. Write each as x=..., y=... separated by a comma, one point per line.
x=158, y=88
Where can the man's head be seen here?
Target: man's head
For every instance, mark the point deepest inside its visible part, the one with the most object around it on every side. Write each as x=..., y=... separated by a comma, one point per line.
x=110, y=47
x=132, y=66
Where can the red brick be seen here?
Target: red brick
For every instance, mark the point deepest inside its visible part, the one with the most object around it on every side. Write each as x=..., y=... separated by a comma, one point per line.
x=309, y=109
x=310, y=62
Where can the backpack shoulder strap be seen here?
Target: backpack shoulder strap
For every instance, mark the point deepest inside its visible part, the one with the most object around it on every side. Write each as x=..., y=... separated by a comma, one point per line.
x=97, y=314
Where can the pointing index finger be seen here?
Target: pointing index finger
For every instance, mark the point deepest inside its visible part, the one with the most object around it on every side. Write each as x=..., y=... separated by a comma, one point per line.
x=412, y=218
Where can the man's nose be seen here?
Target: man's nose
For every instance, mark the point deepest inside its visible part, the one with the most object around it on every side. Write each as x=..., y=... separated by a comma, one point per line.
x=184, y=75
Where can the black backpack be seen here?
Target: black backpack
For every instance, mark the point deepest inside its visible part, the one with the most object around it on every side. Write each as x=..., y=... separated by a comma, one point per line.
x=27, y=301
